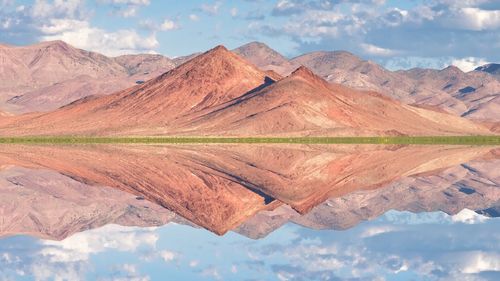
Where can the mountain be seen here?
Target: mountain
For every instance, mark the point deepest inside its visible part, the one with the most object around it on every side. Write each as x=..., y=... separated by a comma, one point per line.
x=50, y=205
x=145, y=64
x=48, y=75
x=471, y=95
x=472, y=185
x=265, y=58
x=303, y=103
x=221, y=187
x=181, y=179
x=45, y=76
x=219, y=93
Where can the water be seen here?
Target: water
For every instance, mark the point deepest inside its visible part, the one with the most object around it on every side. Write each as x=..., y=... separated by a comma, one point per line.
x=249, y=212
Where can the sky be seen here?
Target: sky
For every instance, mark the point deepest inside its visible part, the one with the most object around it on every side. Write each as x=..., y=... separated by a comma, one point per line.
x=396, y=246
x=397, y=34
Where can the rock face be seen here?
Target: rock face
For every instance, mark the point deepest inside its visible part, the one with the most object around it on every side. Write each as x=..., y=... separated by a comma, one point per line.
x=48, y=75
x=221, y=187
x=219, y=93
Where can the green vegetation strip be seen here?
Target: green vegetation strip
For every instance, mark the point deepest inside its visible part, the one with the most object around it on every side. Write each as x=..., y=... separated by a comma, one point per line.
x=459, y=140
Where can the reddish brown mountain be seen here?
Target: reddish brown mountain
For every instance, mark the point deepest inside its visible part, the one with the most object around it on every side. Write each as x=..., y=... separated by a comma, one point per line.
x=219, y=93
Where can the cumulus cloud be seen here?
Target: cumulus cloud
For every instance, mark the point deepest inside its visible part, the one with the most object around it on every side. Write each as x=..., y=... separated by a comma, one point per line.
x=82, y=35
x=70, y=21
x=58, y=9
x=165, y=25
x=479, y=261
x=381, y=31
x=81, y=245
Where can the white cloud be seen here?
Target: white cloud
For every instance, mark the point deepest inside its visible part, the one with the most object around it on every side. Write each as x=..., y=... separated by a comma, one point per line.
x=56, y=26
x=469, y=63
x=477, y=262
x=58, y=8
x=168, y=25
x=469, y=217
x=376, y=230
x=81, y=245
x=168, y=256
x=377, y=51
x=46, y=272
x=82, y=35
x=477, y=19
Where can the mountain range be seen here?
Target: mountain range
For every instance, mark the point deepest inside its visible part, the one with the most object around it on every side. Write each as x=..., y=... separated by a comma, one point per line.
x=55, y=191
x=220, y=93
x=46, y=76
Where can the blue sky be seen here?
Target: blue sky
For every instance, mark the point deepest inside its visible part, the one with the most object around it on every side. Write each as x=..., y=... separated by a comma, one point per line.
x=397, y=34
x=396, y=246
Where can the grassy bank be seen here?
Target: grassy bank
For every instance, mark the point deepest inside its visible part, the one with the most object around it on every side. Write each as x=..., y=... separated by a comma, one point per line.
x=458, y=140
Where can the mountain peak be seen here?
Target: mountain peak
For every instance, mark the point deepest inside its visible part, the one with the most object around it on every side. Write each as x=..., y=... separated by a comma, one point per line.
x=262, y=55
x=255, y=44
x=307, y=74
x=55, y=43
x=218, y=49
x=452, y=68
x=303, y=72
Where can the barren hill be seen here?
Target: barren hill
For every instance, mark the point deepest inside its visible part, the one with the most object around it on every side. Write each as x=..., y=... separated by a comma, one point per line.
x=45, y=76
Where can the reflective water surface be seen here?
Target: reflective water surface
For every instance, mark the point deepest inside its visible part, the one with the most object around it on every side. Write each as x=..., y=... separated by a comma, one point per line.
x=249, y=212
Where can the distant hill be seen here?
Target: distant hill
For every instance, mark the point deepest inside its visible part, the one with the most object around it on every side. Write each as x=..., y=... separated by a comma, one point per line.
x=45, y=76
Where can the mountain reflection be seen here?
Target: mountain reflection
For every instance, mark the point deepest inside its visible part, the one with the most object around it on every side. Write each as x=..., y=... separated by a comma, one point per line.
x=53, y=192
